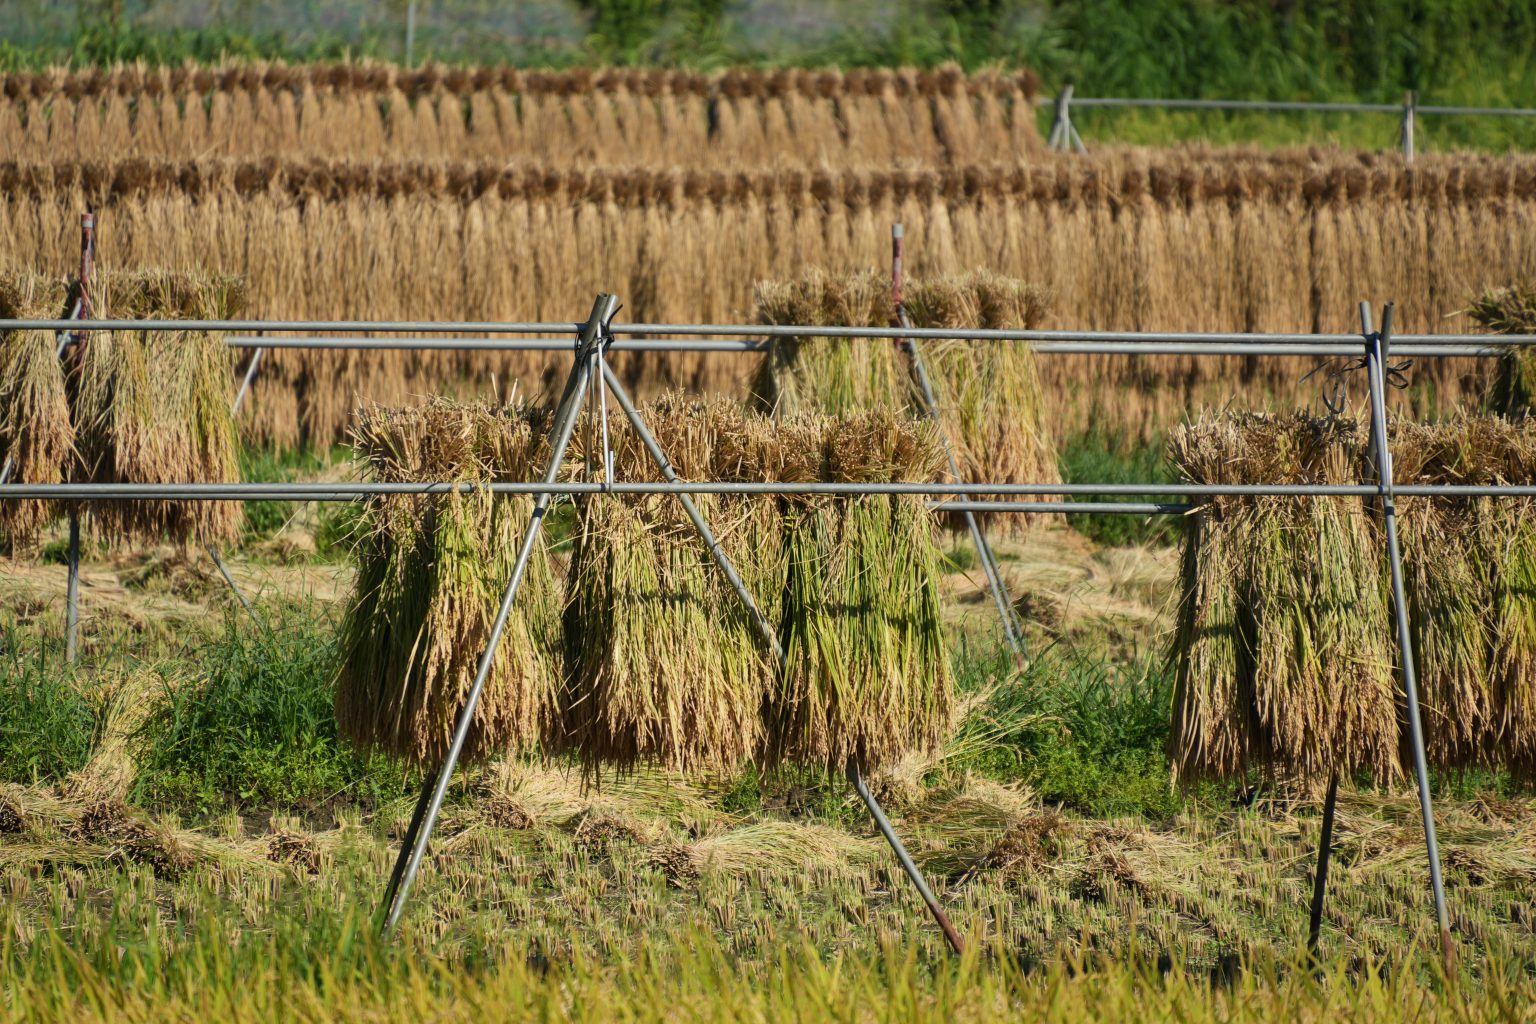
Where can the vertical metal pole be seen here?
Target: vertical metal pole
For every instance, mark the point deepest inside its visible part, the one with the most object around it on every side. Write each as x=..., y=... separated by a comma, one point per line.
x=1324, y=853
x=410, y=33
x=565, y=425
x=1061, y=125
x=72, y=599
x=1376, y=348
x=989, y=566
x=771, y=639
x=1410, y=102
x=83, y=310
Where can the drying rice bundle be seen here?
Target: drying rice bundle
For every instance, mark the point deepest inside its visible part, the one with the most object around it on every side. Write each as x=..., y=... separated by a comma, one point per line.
x=665, y=664
x=989, y=393
x=991, y=401
x=36, y=432
x=431, y=574
x=154, y=407
x=1308, y=687
x=1506, y=563
x=867, y=677
x=1448, y=583
x=835, y=376
x=1509, y=311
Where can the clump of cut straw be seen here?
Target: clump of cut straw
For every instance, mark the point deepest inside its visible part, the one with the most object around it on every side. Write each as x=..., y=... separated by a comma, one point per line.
x=989, y=394
x=154, y=407
x=1509, y=310
x=867, y=677
x=431, y=573
x=37, y=433
x=666, y=664
x=1287, y=667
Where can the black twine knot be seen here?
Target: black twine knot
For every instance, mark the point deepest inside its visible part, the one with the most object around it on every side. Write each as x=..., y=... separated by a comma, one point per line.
x=1336, y=382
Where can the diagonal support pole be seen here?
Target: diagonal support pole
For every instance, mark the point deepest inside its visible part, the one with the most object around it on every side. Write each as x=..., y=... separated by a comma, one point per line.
x=1376, y=347
x=1320, y=879
x=432, y=795
x=770, y=637
x=989, y=566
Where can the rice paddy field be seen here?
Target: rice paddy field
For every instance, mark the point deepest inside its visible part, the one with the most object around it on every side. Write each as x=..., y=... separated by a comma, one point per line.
x=197, y=816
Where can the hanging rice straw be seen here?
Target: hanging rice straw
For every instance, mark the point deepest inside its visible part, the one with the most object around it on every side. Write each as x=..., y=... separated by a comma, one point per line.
x=867, y=676
x=36, y=432
x=1509, y=311
x=431, y=573
x=154, y=407
x=666, y=666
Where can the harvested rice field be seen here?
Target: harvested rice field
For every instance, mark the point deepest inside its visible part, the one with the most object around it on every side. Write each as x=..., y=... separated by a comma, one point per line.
x=662, y=808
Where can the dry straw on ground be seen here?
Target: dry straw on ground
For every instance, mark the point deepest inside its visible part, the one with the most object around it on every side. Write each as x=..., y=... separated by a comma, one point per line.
x=154, y=406
x=1284, y=656
x=989, y=394
x=431, y=572
x=662, y=118
x=1177, y=239
x=37, y=434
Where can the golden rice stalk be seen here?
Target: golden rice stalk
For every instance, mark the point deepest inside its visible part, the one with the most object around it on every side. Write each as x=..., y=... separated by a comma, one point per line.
x=154, y=407
x=431, y=574
x=1509, y=310
x=867, y=676
x=37, y=434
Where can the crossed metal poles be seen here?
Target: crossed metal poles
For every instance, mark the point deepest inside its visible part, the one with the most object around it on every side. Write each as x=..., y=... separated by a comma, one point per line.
x=593, y=336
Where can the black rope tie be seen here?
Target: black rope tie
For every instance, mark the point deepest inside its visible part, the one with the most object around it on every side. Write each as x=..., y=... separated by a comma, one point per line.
x=1336, y=381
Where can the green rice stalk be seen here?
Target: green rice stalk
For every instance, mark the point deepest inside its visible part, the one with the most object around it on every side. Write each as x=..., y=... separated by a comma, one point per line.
x=1507, y=541
x=154, y=407
x=1449, y=594
x=1315, y=690
x=37, y=435
x=431, y=574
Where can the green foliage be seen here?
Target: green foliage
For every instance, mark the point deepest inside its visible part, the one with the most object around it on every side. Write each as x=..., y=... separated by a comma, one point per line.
x=1086, y=734
x=1099, y=457
x=45, y=721
x=256, y=725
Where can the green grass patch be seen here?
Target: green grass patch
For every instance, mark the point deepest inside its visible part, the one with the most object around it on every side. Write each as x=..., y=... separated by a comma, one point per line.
x=1085, y=733
x=256, y=727
x=46, y=722
x=1098, y=456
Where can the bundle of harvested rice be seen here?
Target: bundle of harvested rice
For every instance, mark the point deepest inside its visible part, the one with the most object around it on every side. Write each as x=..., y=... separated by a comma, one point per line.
x=989, y=394
x=36, y=432
x=835, y=376
x=431, y=573
x=665, y=664
x=1509, y=310
x=867, y=676
x=154, y=407
x=1282, y=656
x=1449, y=582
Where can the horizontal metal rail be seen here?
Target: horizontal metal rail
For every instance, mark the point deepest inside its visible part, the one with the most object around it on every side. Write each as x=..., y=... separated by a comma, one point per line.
x=1154, y=348
x=1141, y=339
x=1286, y=106
x=349, y=490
